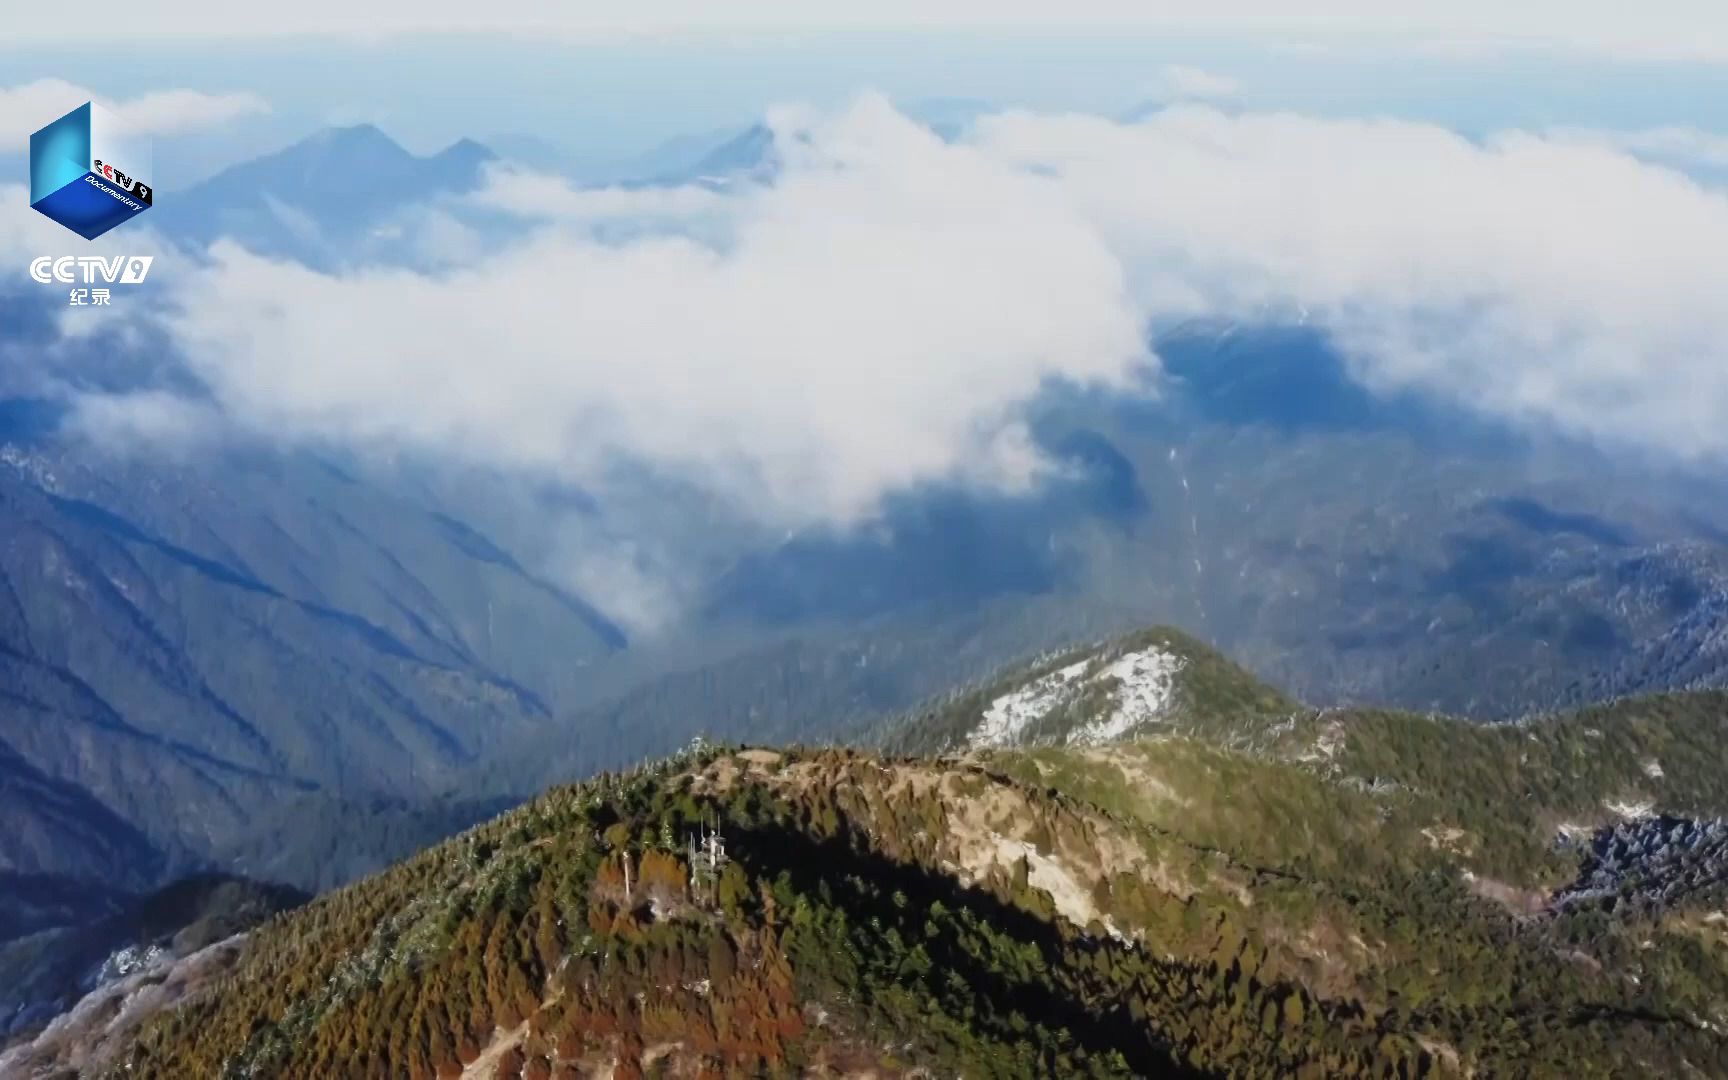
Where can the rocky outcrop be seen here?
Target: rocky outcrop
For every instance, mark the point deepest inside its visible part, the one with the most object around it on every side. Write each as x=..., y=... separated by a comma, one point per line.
x=1649, y=864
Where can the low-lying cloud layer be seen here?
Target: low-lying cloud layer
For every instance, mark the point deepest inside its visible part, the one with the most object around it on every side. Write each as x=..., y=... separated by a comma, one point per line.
x=1530, y=278
x=1686, y=148
x=1182, y=83
x=876, y=315
x=871, y=320
x=26, y=108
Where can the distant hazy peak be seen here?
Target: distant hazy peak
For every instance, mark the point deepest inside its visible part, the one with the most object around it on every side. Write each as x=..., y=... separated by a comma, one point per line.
x=465, y=150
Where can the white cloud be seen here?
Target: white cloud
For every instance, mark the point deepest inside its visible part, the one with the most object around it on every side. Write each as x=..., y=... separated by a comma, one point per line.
x=176, y=112
x=150, y=421
x=24, y=109
x=877, y=315
x=539, y=195
x=872, y=320
x=639, y=592
x=1528, y=277
x=1683, y=147
x=1181, y=83
x=1632, y=45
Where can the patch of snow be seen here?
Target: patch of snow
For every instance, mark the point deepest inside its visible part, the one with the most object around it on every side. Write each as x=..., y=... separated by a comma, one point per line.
x=1630, y=811
x=122, y=588
x=1447, y=838
x=129, y=961
x=1141, y=685
x=1377, y=786
x=1653, y=769
x=81, y=1038
x=1009, y=714
x=1326, y=744
x=1146, y=686
x=33, y=466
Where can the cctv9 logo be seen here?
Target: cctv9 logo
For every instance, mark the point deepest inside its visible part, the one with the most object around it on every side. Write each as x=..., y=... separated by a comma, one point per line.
x=89, y=269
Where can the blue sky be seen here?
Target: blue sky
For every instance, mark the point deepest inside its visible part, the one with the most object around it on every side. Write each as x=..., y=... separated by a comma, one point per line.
x=604, y=100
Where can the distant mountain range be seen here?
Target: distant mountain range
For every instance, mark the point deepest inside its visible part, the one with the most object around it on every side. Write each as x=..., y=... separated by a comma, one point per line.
x=348, y=196
x=322, y=201
x=351, y=196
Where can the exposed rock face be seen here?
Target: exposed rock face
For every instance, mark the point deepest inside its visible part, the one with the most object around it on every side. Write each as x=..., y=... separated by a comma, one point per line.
x=46, y=973
x=82, y=1040
x=1649, y=863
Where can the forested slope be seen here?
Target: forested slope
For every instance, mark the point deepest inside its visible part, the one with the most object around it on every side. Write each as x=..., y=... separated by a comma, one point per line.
x=1234, y=885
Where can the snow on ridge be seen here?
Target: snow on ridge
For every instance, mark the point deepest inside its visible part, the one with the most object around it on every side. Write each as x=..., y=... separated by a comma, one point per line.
x=130, y=960
x=1145, y=685
x=1009, y=714
x=83, y=1039
x=1631, y=811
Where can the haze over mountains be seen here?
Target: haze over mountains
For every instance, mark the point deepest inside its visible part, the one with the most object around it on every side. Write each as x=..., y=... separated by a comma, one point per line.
x=322, y=201
x=301, y=660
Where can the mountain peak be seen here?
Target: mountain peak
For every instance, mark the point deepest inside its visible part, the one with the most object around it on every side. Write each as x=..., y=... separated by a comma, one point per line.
x=335, y=185
x=465, y=150
x=744, y=154
x=458, y=167
x=320, y=159
x=352, y=137
x=1158, y=679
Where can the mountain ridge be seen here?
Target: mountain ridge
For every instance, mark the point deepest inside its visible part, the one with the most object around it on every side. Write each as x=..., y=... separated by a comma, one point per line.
x=1310, y=892
x=321, y=200
x=273, y=632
